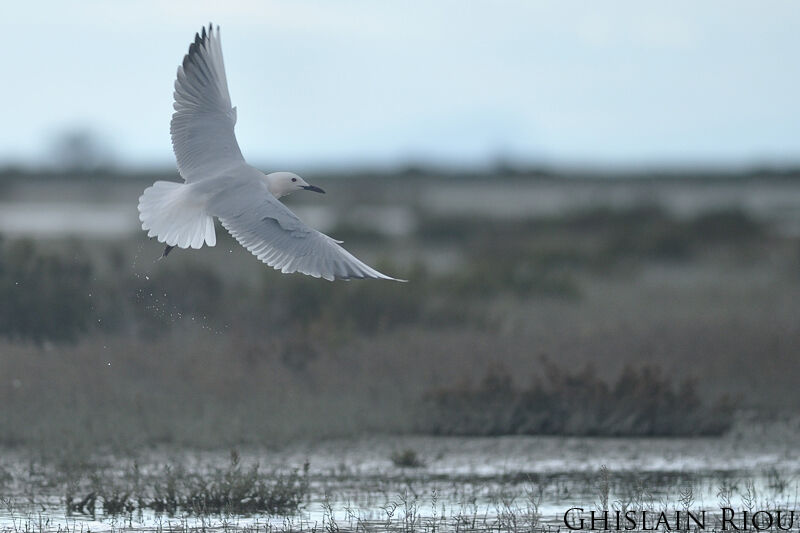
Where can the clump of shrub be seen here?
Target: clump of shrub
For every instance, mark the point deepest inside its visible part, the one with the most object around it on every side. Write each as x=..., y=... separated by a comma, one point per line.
x=171, y=294
x=367, y=306
x=59, y=296
x=725, y=225
x=643, y=401
x=230, y=490
x=43, y=297
x=664, y=237
x=512, y=272
x=591, y=239
x=407, y=458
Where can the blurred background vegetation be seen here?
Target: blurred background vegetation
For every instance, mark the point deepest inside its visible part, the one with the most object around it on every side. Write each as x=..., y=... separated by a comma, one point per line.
x=538, y=302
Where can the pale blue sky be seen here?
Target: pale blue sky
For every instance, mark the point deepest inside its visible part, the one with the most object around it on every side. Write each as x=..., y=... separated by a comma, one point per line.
x=345, y=82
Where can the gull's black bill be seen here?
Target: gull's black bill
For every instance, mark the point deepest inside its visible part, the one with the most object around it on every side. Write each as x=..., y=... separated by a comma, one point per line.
x=313, y=188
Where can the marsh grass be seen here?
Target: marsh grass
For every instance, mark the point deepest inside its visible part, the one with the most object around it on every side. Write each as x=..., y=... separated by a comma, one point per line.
x=80, y=293
x=407, y=458
x=219, y=499
x=43, y=296
x=212, y=350
x=231, y=490
x=643, y=401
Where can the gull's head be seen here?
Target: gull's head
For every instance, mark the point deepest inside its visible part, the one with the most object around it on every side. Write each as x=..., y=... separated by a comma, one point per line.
x=283, y=183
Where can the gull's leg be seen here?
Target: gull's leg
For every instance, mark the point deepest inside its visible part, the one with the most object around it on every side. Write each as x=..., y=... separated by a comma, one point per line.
x=167, y=250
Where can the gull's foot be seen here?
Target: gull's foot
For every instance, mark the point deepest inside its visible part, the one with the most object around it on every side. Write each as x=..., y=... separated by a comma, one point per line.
x=167, y=250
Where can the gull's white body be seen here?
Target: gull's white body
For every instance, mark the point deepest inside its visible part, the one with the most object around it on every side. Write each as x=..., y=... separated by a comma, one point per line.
x=219, y=183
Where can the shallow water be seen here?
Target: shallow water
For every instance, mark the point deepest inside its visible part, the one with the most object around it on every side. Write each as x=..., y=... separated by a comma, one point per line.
x=508, y=483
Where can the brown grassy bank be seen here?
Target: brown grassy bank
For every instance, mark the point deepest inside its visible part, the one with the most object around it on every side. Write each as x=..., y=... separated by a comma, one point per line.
x=98, y=348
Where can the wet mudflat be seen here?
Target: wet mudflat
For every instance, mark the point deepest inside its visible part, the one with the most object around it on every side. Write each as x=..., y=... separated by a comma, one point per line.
x=400, y=484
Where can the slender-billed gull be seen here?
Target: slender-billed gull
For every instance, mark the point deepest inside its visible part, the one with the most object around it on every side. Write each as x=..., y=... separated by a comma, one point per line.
x=219, y=183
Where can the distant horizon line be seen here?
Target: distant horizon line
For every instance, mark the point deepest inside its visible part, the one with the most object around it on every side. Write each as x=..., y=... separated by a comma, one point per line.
x=430, y=167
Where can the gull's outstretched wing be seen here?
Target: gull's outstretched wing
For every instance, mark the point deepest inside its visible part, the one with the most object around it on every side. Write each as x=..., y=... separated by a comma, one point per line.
x=202, y=125
x=275, y=235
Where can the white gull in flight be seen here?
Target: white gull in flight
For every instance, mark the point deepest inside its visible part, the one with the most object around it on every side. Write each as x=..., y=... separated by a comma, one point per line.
x=219, y=183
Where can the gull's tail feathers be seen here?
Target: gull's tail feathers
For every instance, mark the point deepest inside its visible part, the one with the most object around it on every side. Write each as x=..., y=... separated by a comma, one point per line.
x=170, y=212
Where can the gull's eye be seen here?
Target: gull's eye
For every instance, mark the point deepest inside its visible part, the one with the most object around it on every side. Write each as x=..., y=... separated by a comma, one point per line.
x=294, y=179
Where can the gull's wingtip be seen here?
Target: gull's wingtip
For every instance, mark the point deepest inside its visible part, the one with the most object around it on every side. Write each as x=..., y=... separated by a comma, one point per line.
x=381, y=275
x=376, y=274
x=207, y=32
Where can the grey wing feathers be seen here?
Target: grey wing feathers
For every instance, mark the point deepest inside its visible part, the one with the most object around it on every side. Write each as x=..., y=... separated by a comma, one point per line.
x=271, y=232
x=202, y=125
